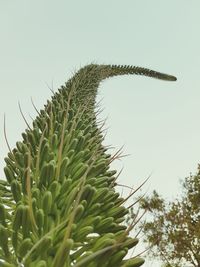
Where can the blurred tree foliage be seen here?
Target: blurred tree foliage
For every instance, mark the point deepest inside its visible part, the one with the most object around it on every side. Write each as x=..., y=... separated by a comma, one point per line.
x=172, y=229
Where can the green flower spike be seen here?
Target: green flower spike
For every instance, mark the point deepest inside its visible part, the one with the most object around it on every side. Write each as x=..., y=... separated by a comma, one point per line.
x=59, y=206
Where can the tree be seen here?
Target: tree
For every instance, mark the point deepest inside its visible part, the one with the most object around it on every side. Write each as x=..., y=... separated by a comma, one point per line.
x=173, y=228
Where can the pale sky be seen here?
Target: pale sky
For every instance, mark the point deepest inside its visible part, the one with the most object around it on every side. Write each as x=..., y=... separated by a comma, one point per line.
x=43, y=42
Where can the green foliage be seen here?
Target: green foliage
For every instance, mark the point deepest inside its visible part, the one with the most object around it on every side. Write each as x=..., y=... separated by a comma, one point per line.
x=59, y=206
x=172, y=229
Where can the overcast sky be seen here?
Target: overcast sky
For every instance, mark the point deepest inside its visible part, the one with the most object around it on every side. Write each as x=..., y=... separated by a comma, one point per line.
x=43, y=42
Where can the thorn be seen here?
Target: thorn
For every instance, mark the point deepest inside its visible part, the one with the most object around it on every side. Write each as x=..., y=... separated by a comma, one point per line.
x=50, y=88
x=24, y=117
x=5, y=133
x=34, y=106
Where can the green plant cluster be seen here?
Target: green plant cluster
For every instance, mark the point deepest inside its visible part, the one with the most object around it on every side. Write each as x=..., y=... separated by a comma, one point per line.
x=59, y=206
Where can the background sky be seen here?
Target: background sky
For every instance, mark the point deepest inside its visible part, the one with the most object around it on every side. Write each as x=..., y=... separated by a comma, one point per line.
x=43, y=42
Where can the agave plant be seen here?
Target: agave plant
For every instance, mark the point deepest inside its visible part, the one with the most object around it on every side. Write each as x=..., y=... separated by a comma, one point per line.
x=58, y=204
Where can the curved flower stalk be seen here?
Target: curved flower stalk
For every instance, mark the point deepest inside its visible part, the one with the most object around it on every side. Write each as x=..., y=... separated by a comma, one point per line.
x=59, y=206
